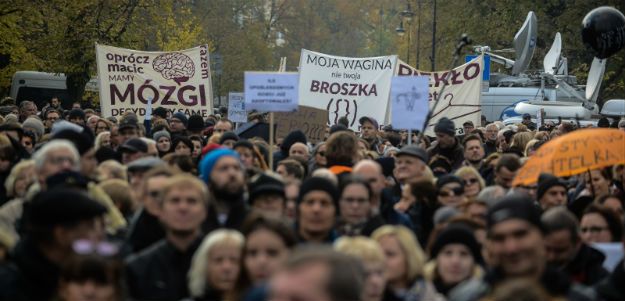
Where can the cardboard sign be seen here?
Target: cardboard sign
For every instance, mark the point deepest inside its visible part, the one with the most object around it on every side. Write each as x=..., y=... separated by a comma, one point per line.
x=311, y=121
x=179, y=81
x=271, y=91
x=409, y=102
x=236, y=107
x=346, y=86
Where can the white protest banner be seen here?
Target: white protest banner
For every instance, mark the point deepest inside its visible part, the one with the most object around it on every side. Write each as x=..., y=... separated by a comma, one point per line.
x=179, y=81
x=461, y=99
x=345, y=86
x=409, y=102
x=236, y=107
x=271, y=91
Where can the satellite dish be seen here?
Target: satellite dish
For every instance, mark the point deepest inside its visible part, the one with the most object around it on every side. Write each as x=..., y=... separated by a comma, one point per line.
x=595, y=76
x=525, y=43
x=552, y=59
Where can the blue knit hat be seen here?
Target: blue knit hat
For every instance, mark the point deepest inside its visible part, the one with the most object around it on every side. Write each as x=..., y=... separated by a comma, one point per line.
x=208, y=162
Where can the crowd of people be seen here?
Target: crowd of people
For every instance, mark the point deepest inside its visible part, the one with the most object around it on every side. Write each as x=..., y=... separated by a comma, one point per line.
x=183, y=208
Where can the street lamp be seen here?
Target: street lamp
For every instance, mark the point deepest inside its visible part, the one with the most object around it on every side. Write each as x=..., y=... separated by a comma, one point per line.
x=406, y=16
x=400, y=29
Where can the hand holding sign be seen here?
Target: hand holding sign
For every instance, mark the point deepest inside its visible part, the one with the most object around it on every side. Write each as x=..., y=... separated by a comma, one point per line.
x=409, y=101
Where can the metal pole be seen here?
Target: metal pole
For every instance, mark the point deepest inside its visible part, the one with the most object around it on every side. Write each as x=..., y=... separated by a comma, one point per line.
x=433, y=57
x=408, y=47
x=463, y=41
x=418, y=30
x=409, y=136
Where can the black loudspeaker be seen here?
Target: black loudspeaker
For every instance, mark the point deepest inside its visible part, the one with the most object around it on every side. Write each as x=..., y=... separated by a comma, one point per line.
x=253, y=129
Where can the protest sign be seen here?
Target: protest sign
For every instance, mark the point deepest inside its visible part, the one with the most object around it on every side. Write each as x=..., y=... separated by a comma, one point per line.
x=311, y=121
x=345, y=86
x=271, y=91
x=461, y=99
x=409, y=102
x=176, y=80
x=574, y=153
x=236, y=107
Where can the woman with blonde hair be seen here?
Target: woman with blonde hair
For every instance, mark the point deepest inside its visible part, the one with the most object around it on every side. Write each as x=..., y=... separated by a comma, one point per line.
x=520, y=141
x=216, y=265
x=371, y=254
x=473, y=181
x=404, y=264
x=103, y=140
x=21, y=177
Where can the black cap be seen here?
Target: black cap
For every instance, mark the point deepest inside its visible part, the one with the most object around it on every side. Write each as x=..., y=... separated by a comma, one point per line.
x=262, y=184
x=244, y=143
x=364, y=119
x=62, y=206
x=322, y=184
x=195, y=123
x=546, y=181
x=134, y=145
x=228, y=136
x=446, y=126
x=527, y=115
x=76, y=113
x=160, y=112
x=128, y=123
x=67, y=179
x=448, y=178
x=415, y=151
x=83, y=141
x=457, y=234
x=514, y=206
x=337, y=128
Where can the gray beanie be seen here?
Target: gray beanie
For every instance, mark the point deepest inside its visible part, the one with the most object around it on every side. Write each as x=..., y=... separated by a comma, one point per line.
x=446, y=126
x=160, y=134
x=35, y=125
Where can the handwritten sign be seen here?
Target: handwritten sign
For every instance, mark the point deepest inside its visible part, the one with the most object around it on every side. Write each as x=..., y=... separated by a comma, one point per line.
x=236, y=107
x=409, y=102
x=271, y=92
x=311, y=121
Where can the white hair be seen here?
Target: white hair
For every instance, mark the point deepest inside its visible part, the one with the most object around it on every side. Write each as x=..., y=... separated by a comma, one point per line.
x=197, y=273
x=41, y=156
x=93, y=117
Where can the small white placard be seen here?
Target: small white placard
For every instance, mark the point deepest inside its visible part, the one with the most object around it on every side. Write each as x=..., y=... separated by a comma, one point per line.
x=236, y=107
x=409, y=101
x=271, y=91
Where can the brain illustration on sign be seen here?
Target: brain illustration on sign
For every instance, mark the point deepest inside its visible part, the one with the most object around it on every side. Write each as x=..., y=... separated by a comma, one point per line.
x=175, y=66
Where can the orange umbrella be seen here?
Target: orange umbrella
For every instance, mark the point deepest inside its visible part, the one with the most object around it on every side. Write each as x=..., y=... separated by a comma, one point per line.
x=574, y=153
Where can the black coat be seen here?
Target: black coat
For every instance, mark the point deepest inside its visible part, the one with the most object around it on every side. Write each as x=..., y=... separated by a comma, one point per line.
x=612, y=288
x=587, y=266
x=29, y=275
x=455, y=154
x=160, y=272
x=144, y=231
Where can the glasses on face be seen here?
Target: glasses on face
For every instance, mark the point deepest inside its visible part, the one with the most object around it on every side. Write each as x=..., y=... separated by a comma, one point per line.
x=470, y=181
x=593, y=229
x=60, y=160
x=456, y=191
x=354, y=200
x=322, y=153
x=85, y=247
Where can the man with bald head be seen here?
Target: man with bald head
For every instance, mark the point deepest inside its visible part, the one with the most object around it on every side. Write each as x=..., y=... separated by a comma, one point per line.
x=371, y=171
x=299, y=149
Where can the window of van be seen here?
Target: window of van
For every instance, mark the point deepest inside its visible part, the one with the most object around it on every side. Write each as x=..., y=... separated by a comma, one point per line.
x=41, y=96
